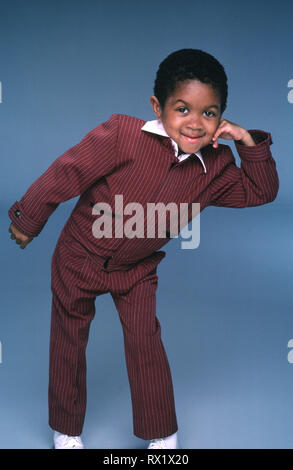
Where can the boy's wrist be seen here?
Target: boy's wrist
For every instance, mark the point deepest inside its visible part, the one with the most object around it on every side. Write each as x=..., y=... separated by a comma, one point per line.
x=261, y=149
x=24, y=223
x=246, y=140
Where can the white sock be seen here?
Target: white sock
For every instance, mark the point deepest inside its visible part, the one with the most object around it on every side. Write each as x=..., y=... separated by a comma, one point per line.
x=171, y=441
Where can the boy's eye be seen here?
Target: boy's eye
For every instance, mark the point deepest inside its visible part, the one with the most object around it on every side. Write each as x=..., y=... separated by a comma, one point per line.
x=211, y=114
x=182, y=109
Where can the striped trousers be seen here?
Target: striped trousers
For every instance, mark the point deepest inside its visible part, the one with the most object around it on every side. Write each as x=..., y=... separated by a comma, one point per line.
x=77, y=279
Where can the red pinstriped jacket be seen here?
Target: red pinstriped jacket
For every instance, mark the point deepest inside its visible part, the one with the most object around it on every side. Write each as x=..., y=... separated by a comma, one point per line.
x=118, y=158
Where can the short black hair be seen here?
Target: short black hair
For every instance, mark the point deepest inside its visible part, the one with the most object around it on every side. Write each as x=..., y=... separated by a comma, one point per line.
x=190, y=64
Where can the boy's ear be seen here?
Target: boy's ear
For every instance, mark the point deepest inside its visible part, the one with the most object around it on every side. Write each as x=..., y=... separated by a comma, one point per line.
x=156, y=106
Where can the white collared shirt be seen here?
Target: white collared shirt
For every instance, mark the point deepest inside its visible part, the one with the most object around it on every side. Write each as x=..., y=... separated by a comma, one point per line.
x=156, y=127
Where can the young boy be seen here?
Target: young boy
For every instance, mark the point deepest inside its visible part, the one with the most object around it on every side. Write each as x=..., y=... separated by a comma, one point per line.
x=175, y=158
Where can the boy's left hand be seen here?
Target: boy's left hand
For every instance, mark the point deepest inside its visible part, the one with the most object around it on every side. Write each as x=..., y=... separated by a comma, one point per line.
x=229, y=130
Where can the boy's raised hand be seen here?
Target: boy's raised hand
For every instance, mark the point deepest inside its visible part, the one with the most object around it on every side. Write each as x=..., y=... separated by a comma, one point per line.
x=231, y=131
x=19, y=237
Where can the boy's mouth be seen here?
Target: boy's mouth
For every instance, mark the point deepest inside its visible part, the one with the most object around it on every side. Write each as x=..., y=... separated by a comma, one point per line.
x=192, y=139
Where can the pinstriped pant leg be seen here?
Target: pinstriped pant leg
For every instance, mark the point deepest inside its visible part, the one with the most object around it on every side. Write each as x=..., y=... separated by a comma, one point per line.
x=73, y=308
x=147, y=364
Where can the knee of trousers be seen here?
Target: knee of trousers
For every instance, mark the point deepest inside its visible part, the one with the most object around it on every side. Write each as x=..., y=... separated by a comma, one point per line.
x=141, y=340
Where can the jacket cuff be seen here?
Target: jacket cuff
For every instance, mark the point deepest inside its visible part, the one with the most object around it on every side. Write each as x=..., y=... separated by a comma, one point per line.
x=23, y=222
x=260, y=151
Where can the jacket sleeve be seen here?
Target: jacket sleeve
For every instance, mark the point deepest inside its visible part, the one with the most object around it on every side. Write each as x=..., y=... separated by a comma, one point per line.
x=68, y=176
x=255, y=183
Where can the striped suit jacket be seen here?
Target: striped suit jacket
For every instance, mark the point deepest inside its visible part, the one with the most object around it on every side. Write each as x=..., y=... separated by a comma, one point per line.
x=118, y=158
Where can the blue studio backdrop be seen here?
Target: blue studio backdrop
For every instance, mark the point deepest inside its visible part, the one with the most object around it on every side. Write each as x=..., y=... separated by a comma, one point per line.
x=225, y=307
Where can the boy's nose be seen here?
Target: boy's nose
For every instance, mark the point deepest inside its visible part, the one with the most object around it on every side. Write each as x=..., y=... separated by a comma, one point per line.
x=195, y=124
x=196, y=131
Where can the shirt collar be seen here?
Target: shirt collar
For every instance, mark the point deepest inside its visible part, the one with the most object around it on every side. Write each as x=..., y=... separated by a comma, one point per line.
x=156, y=127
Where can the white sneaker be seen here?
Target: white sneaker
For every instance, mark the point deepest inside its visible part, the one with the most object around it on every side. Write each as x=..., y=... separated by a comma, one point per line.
x=170, y=442
x=63, y=441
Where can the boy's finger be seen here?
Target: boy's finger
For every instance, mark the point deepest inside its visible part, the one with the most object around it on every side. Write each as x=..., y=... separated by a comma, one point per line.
x=217, y=134
x=25, y=243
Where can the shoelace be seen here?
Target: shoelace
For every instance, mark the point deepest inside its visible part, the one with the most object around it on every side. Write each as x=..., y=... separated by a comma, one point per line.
x=157, y=444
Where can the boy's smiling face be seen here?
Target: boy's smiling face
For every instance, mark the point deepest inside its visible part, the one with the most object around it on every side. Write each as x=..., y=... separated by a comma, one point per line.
x=191, y=115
